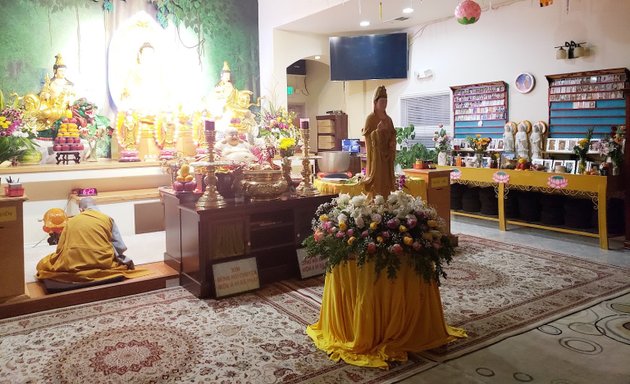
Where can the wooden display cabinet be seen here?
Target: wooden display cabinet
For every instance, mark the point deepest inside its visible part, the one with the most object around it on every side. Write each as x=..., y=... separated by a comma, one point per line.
x=201, y=241
x=331, y=129
x=480, y=109
x=12, y=283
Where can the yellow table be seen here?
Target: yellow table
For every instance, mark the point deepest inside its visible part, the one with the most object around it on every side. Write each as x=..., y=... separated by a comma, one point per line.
x=596, y=188
x=368, y=323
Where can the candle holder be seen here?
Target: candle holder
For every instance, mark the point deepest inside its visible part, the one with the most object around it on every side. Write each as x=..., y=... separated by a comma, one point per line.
x=306, y=187
x=211, y=197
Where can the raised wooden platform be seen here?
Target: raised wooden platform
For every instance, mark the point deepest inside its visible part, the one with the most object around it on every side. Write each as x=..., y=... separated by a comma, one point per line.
x=38, y=300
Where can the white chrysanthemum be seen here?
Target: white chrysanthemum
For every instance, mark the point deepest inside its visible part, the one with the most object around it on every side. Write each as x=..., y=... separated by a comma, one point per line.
x=359, y=200
x=379, y=200
x=342, y=218
x=343, y=200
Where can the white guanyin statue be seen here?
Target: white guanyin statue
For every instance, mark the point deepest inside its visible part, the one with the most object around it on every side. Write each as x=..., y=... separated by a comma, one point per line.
x=508, y=136
x=536, y=139
x=521, y=140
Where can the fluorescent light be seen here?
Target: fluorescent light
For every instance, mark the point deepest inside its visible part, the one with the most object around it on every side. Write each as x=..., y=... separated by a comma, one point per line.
x=318, y=57
x=408, y=10
x=364, y=23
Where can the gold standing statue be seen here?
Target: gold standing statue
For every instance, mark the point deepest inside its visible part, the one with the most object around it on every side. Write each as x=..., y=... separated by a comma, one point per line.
x=380, y=143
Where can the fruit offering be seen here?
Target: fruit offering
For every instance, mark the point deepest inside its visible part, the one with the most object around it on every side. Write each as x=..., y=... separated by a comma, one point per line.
x=184, y=181
x=67, y=138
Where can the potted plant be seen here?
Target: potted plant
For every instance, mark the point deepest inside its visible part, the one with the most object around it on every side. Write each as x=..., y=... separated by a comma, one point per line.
x=408, y=153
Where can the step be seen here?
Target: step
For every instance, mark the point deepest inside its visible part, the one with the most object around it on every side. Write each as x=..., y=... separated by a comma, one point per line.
x=39, y=300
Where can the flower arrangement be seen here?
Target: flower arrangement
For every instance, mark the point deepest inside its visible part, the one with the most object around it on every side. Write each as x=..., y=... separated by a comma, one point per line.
x=278, y=122
x=15, y=136
x=478, y=144
x=381, y=230
x=442, y=140
x=581, y=149
x=612, y=145
x=287, y=146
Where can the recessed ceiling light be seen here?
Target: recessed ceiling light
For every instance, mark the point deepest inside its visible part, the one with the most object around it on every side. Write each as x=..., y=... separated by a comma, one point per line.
x=318, y=57
x=408, y=10
x=364, y=23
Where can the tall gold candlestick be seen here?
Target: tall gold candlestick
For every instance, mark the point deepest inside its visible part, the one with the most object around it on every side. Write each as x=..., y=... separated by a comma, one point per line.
x=306, y=187
x=211, y=197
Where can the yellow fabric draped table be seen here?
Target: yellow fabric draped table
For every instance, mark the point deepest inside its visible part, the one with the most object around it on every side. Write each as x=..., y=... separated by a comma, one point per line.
x=414, y=187
x=369, y=322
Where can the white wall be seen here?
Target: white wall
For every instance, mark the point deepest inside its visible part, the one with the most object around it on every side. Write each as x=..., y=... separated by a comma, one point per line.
x=505, y=42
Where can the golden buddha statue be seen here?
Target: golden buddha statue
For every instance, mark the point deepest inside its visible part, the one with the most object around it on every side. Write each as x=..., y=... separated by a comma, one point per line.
x=127, y=130
x=54, y=98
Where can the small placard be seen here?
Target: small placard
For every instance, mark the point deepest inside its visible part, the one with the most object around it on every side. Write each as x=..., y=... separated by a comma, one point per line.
x=440, y=182
x=311, y=266
x=235, y=276
x=8, y=214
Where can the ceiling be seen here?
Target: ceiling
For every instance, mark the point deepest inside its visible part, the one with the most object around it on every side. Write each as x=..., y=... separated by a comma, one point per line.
x=344, y=19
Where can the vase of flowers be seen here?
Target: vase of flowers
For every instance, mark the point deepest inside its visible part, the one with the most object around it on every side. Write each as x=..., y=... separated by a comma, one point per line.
x=287, y=149
x=581, y=149
x=442, y=144
x=479, y=145
x=16, y=138
x=612, y=145
x=381, y=230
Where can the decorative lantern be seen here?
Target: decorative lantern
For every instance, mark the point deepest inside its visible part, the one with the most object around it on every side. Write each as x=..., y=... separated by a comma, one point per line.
x=467, y=12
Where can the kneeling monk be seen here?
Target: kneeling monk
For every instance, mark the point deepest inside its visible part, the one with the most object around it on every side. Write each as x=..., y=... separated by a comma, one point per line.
x=90, y=249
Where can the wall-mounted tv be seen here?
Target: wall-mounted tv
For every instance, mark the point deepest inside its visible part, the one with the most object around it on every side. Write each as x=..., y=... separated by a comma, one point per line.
x=368, y=57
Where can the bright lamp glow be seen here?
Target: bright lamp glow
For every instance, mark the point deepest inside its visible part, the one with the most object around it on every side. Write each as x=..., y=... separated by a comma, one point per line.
x=318, y=57
x=364, y=23
x=408, y=10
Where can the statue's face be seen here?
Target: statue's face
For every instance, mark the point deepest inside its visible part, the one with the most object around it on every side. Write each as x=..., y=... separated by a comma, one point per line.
x=233, y=138
x=381, y=104
x=60, y=72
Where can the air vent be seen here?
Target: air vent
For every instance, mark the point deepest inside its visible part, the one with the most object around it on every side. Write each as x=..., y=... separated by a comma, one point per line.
x=401, y=18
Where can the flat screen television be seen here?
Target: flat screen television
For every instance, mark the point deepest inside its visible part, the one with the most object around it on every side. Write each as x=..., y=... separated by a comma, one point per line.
x=368, y=57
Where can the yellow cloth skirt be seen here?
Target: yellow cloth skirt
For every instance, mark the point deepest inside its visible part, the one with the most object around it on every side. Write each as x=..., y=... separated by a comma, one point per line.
x=368, y=322
x=413, y=186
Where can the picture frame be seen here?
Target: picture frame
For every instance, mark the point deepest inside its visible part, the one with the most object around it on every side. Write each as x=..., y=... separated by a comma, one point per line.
x=571, y=143
x=552, y=145
x=548, y=164
x=570, y=166
x=562, y=145
x=593, y=146
x=524, y=82
x=486, y=160
x=499, y=146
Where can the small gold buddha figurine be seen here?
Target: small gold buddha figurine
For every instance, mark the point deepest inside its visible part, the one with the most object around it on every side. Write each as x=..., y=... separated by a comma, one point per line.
x=127, y=130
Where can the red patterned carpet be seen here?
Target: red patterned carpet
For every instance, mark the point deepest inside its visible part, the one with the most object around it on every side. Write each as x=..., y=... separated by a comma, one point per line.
x=494, y=290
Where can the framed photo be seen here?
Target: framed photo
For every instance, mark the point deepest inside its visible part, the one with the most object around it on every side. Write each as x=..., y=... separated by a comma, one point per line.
x=548, y=163
x=235, y=276
x=555, y=164
x=570, y=166
x=492, y=145
x=551, y=145
x=524, y=82
x=562, y=145
x=537, y=162
x=571, y=143
x=593, y=146
x=486, y=162
x=499, y=145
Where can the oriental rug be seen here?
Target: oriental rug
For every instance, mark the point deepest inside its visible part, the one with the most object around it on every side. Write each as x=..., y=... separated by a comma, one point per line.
x=493, y=290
